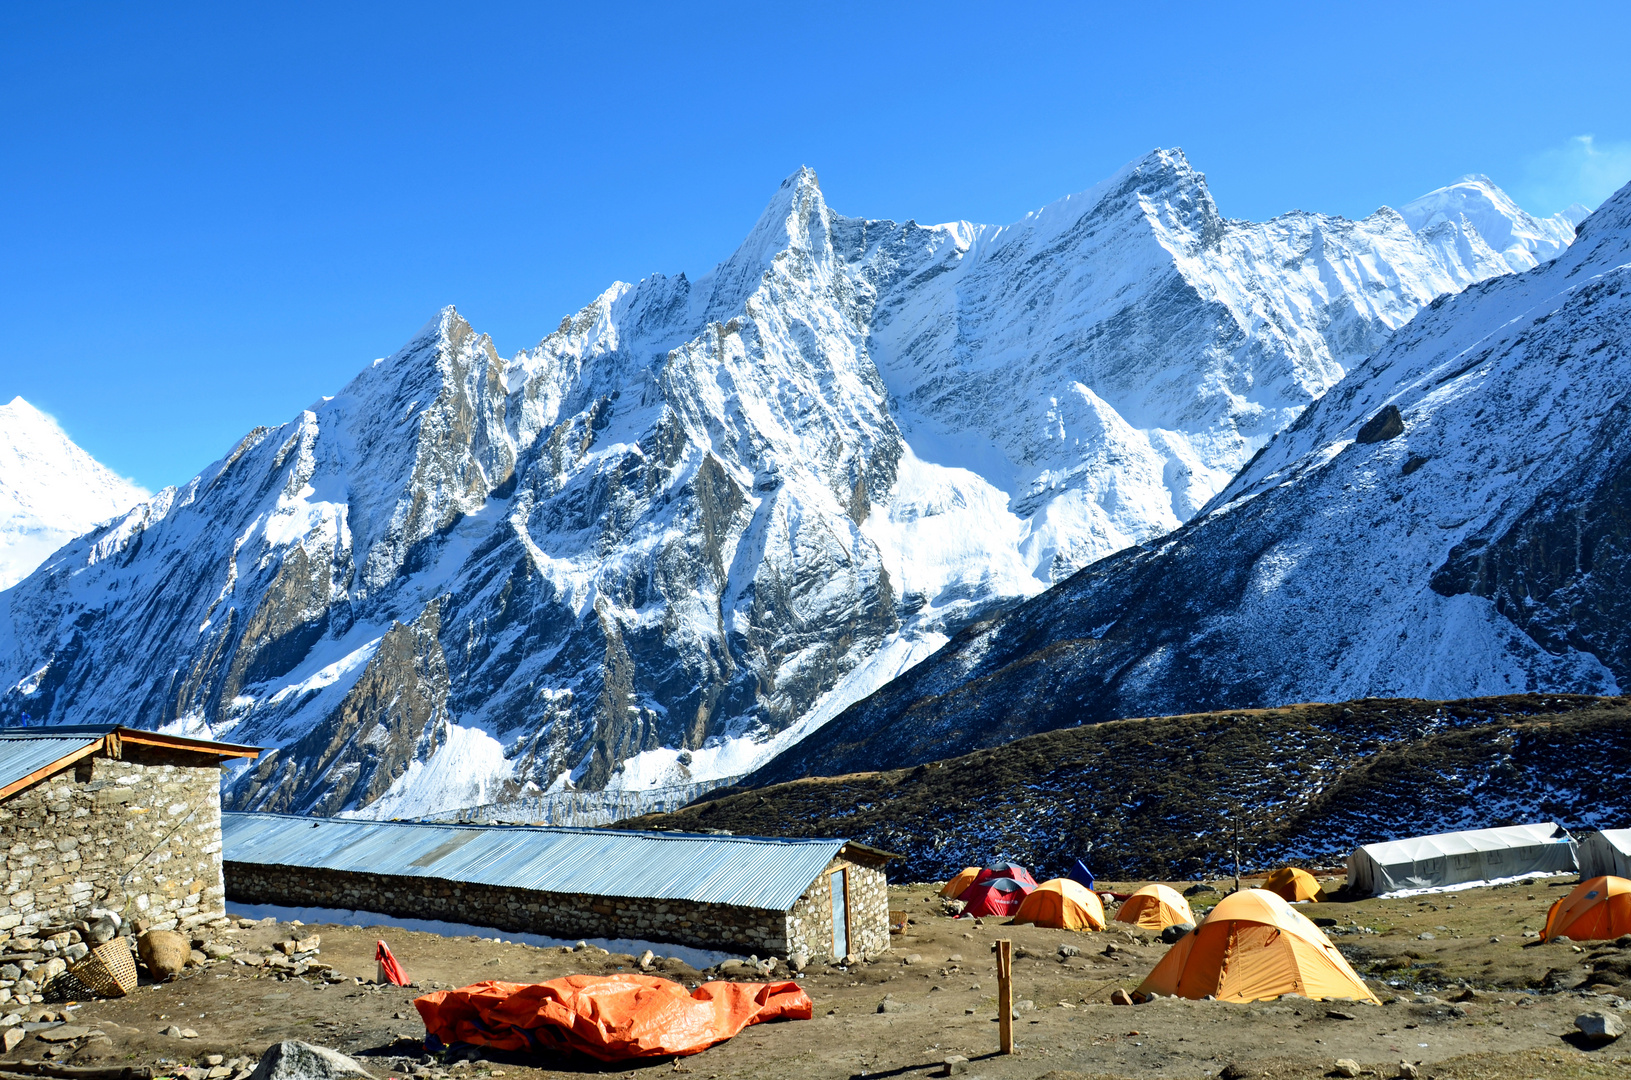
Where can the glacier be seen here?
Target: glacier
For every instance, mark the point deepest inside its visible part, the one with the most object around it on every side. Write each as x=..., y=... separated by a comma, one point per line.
x=702, y=518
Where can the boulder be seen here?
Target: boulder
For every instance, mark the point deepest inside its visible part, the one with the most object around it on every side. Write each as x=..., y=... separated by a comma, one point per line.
x=1170, y=934
x=102, y=929
x=1385, y=425
x=1599, y=1026
x=164, y=953
x=296, y=1060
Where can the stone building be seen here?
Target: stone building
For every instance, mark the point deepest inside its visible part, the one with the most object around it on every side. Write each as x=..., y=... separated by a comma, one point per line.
x=767, y=896
x=106, y=819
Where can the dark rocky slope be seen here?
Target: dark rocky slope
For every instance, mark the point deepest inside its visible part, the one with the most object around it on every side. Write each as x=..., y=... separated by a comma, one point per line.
x=1158, y=798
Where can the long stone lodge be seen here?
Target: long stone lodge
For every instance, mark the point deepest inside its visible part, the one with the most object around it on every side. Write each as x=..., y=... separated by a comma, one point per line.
x=823, y=898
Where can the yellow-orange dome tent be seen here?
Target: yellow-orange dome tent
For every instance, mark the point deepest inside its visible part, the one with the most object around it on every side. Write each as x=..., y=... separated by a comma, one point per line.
x=1255, y=946
x=1155, y=907
x=1596, y=909
x=954, y=888
x=1291, y=884
x=1063, y=905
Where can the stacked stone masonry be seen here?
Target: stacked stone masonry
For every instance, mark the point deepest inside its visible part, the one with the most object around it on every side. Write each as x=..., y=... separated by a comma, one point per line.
x=807, y=928
x=141, y=838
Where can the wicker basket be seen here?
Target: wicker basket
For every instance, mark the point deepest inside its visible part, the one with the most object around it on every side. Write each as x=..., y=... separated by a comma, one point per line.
x=107, y=970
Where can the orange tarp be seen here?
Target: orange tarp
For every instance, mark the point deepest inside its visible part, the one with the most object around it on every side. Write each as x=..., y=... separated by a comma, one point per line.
x=1063, y=905
x=610, y=1017
x=1292, y=884
x=1253, y=946
x=954, y=888
x=1155, y=907
x=1596, y=909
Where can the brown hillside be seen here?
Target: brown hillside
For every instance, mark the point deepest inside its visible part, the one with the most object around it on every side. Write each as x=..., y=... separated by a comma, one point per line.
x=1154, y=798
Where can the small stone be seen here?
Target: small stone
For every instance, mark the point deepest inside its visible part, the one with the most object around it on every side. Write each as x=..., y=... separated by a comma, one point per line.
x=1426, y=935
x=955, y=958
x=1236, y=1071
x=219, y=1072
x=647, y=958
x=11, y=1037
x=1067, y=951
x=1334, y=1014
x=308, y=944
x=172, y=1030
x=1112, y=949
x=215, y=1059
x=188, y=1033
x=954, y=1065
x=913, y=958
x=1407, y=1071
x=65, y=1033
x=1024, y=1006
x=1119, y=996
x=1531, y=933
x=799, y=961
x=1599, y=1026
x=890, y=1005
x=76, y=952
x=195, y=957
x=218, y=952
x=1347, y=1067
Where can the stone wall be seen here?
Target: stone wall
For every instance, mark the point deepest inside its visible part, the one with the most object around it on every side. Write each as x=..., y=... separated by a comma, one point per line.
x=139, y=837
x=571, y=915
x=809, y=924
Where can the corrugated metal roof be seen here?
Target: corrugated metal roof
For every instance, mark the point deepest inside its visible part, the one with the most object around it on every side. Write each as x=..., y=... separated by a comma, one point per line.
x=28, y=750
x=755, y=872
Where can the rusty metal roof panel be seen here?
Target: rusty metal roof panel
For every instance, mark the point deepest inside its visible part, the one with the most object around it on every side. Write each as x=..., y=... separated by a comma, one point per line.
x=756, y=872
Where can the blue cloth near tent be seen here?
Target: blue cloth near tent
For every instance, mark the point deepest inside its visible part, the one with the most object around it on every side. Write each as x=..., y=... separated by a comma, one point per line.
x=1081, y=875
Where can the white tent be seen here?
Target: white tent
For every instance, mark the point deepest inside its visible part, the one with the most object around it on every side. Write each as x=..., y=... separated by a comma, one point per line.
x=1606, y=852
x=1461, y=858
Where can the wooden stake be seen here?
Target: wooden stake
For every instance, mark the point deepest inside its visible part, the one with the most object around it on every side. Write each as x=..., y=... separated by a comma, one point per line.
x=1005, y=996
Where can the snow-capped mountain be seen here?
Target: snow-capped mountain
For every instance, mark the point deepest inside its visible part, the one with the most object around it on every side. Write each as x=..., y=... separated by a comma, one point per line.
x=50, y=490
x=1474, y=213
x=702, y=517
x=1447, y=521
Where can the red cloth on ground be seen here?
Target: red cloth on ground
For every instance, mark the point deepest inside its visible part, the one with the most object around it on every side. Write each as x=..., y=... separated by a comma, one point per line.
x=610, y=1017
x=387, y=964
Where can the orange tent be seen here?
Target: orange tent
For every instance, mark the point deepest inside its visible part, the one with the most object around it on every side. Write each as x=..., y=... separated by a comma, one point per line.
x=1595, y=909
x=954, y=888
x=1254, y=946
x=1292, y=885
x=1155, y=907
x=610, y=1017
x=1063, y=905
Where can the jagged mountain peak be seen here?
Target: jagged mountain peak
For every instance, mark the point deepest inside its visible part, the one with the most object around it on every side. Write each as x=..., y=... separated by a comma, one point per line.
x=1475, y=200
x=702, y=516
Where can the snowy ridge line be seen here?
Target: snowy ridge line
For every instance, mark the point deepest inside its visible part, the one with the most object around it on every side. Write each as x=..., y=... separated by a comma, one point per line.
x=578, y=809
x=703, y=517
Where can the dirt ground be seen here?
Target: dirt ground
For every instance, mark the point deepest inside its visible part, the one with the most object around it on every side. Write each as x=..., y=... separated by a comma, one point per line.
x=940, y=979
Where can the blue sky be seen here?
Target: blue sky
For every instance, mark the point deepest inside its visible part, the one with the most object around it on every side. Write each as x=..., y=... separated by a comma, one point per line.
x=213, y=214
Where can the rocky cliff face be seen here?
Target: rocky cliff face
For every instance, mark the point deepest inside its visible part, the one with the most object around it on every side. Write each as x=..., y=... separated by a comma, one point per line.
x=701, y=518
x=1448, y=520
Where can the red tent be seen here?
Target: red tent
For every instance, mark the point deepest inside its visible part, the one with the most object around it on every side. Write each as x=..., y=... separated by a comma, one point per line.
x=1007, y=870
x=999, y=896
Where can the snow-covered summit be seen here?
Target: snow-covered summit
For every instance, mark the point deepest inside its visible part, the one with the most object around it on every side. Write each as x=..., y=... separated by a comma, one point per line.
x=701, y=517
x=50, y=490
x=1474, y=201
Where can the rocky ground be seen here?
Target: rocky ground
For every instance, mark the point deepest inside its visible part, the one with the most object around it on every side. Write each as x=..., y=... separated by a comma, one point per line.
x=1468, y=995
